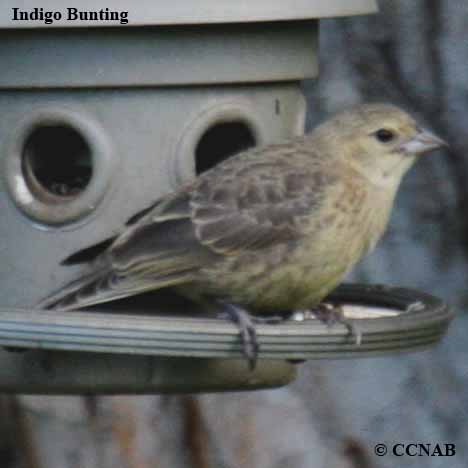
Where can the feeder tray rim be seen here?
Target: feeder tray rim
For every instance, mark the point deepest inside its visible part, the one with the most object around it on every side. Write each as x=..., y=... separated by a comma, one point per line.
x=96, y=331
x=146, y=355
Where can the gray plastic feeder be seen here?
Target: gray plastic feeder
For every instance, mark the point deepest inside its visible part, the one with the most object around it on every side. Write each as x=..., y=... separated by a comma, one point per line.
x=99, y=119
x=99, y=122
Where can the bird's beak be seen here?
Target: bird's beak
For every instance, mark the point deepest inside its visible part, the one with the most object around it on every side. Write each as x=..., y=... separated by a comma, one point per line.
x=423, y=142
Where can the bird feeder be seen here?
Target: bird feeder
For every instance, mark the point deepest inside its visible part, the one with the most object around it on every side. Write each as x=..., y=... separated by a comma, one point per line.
x=102, y=117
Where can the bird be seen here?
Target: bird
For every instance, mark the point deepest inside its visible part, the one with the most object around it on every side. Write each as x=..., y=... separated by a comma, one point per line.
x=271, y=229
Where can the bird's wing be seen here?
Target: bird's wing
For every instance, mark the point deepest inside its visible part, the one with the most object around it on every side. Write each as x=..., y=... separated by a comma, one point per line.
x=162, y=242
x=260, y=205
x=227, y=210
x=157, y=250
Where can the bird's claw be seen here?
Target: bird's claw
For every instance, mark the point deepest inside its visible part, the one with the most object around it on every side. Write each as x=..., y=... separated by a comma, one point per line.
x=248, y=333
x=330, y=314
x=353, y=331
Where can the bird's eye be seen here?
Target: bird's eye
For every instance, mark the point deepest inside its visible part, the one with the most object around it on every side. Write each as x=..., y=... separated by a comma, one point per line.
x=384, y=135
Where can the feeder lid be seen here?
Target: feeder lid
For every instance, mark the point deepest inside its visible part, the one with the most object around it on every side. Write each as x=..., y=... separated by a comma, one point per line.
x=161, y=12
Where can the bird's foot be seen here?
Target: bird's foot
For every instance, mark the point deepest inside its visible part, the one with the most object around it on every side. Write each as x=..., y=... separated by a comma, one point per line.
x=246, y=324
x=330, y=314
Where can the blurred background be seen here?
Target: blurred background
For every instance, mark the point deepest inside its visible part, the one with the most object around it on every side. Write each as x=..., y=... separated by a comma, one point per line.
x=413, y=54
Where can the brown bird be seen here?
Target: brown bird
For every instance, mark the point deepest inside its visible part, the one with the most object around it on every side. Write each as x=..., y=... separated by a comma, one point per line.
x=271, y=229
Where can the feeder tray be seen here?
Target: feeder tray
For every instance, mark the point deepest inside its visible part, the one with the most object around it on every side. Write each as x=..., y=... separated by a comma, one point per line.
x=129, y=353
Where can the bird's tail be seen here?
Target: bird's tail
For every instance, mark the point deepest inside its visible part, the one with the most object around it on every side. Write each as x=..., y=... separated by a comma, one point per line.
x=78, y=293
x=103, y=286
